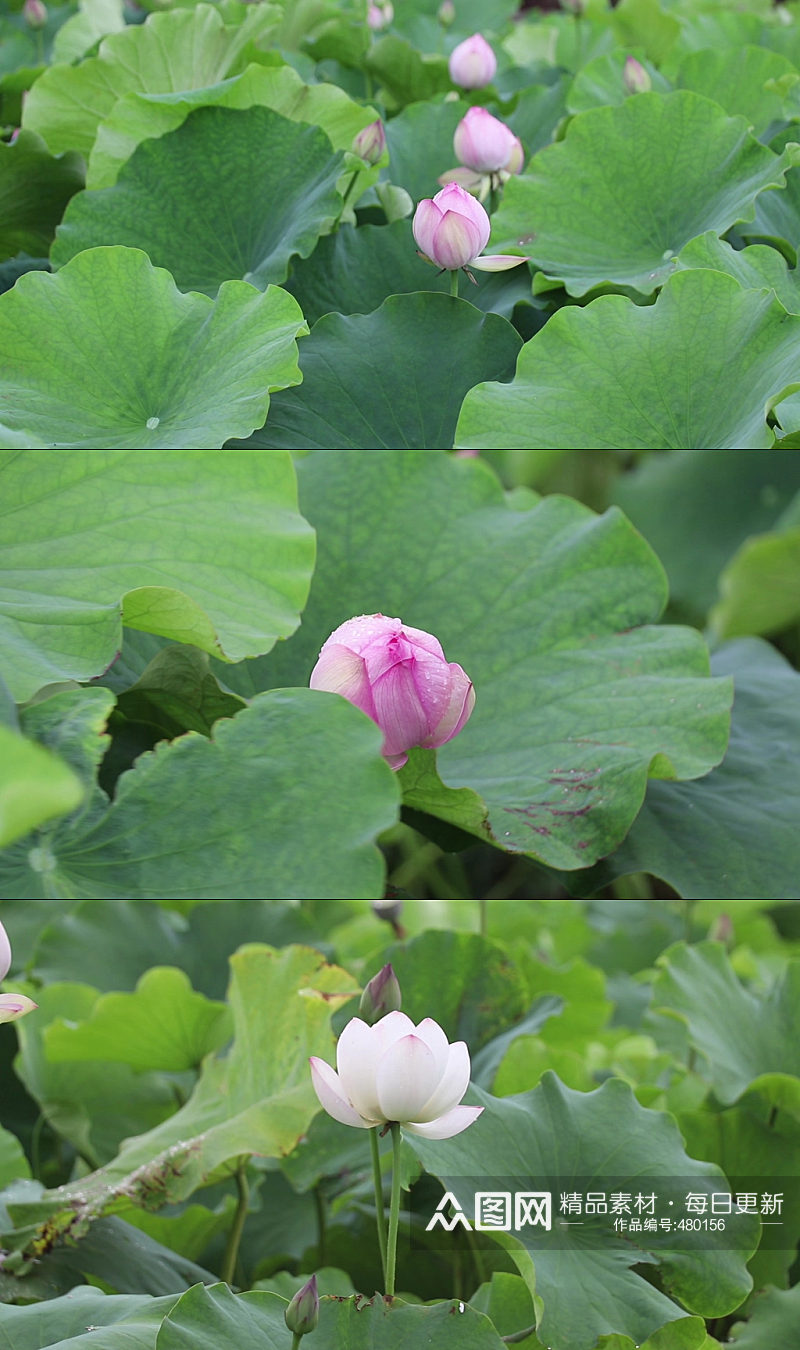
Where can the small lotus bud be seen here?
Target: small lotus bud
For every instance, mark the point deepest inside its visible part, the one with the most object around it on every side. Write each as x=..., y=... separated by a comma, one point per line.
x=388, y=909
x=370, y=142
x=446, y=13
x=35, y=13
x=472, y=63
x=722, y=930
x=483, y=143
x=635, y=78
x=380, y=16
x=302, y=1314
x=381, y=996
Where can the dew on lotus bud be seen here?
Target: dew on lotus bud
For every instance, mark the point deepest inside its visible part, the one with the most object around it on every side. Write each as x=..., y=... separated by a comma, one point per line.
x=399, y=677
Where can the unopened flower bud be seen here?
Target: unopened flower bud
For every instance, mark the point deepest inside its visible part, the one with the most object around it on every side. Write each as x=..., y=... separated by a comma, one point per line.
x=472, y=63
x=446, y=13
x=635, y=78
x=396, y=674
x=722, y=930
x=302, y=1314
x=483, y=143
x=380, y=16
x=380, y=996
x=388, y=909
x=35, y=13
x=12, y=1006
x=370, y=142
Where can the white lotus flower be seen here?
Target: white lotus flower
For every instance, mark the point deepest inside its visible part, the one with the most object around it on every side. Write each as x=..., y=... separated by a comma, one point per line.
x=394, y=1071
x=12, y=1006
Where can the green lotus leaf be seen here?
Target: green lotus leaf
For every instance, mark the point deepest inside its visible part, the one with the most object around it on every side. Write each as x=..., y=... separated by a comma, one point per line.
x=191, y=201
x=35, y=187
x=750, y=494
x=182, y=49
x=587, y=1283
x=777, y=214
x=736, y=823
x=131, y=362
x=735, y=77
x=681, y=166
x=753, y=267
x=35, y=785
x=203, y=550
x=699, y=368
x=549, y=610
x=772, y=1320
x=746, y=1036
x=437, y=347
x=139, y=116
x=242, y=832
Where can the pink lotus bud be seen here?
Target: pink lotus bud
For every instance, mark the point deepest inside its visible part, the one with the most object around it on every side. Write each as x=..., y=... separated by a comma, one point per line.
x=472, y=63
x=635, y=78
x=446, y=13
x=302, y=1314
x=12, y=1006
x=516, y=160
x=399, y=677
x=370, y=142
x=381, y=996
x=380, y=16
x=483, y=143
x=452, y=228
x=35, y=13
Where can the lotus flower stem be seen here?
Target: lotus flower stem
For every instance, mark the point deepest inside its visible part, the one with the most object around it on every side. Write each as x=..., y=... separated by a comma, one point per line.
x=394, y=1211
x=454, y=283
x=237, y=1227
x=378, y=1183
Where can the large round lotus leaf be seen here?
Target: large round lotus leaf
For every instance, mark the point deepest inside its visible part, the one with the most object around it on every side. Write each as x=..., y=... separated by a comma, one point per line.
x=131, y=362
x=736, y=78
x=736, y=829
x=563, y=1141
x=193, y=200
x=183, y=49
x=204, y=549
x=681, y=166
x=139, y=116
x=283, y=802
x=34, y=189
x=699, y=368
x=435, y=348
x=353, y=271
x=548, y=609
